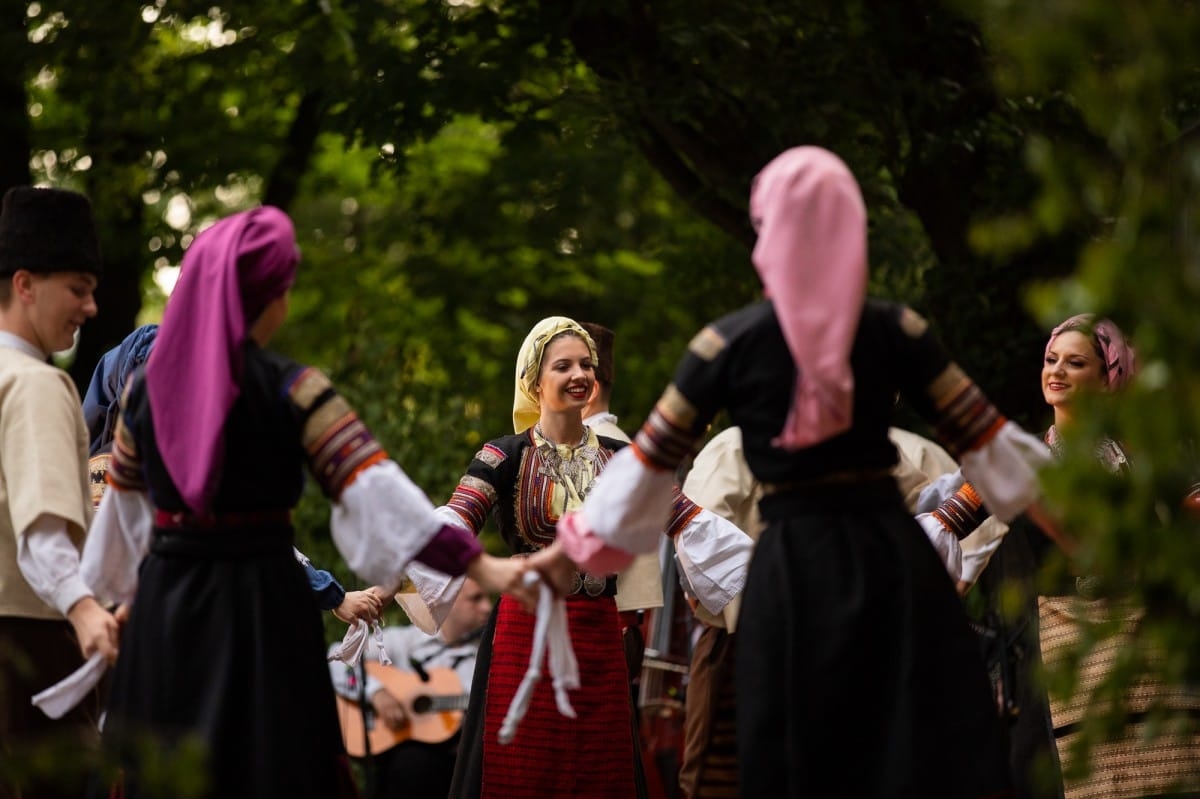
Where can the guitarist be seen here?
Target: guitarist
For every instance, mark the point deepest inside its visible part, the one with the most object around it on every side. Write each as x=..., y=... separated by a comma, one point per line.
x=414, y=768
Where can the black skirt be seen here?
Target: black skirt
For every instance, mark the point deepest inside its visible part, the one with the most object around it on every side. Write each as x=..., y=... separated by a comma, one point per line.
x=857, y=672
x=221, y=688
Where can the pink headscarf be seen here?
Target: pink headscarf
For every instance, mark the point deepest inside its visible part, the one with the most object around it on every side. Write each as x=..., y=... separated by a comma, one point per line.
x=230, y=273
x=1120, y=360
x=812, y=258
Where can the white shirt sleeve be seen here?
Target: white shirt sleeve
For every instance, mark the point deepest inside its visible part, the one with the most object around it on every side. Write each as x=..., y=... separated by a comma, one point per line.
x=938, y=491
x=116, y=544
x=343, y=675
x=381, y=522
x=428, y=595
x=979, y=546
x=1005, y=470
x=49, y=562
x=714, y=555
x=945, y=543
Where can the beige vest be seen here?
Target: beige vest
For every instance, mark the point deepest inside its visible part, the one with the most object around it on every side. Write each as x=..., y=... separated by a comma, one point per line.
x=43, y=467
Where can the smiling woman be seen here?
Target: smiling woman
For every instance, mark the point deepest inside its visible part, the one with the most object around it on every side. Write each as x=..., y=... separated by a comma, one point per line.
x=1083, y=355
x=1084, y=622
x=530, y=479
x=1094, y=616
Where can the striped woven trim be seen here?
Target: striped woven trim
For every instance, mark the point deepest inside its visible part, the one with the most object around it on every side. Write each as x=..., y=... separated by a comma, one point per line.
x=666, y=437
x=963, y=512
x=966, y=419
x=473, y=500
x=1136, y=765
x=125, y=466
x=683, y=510
x=707, y=344
x=338, y=444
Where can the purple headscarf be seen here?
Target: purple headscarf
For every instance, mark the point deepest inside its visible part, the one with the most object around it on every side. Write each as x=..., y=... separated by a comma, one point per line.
x=230, y=273
x=1120, y=360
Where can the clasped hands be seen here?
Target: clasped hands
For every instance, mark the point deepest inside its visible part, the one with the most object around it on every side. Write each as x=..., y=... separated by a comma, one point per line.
x=513, y=576
x=97, y=630
x=367, y=605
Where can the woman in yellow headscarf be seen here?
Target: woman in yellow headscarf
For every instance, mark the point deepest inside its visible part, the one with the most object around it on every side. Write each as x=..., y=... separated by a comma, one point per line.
x=529, y=479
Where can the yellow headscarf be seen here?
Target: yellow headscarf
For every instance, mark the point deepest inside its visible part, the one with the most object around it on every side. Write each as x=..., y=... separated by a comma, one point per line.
x=526, y=408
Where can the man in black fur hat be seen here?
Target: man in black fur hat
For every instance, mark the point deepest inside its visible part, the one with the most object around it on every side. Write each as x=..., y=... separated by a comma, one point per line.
x=49, y=268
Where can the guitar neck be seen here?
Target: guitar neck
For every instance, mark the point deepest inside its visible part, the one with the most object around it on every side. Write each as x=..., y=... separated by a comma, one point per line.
x=439, y=703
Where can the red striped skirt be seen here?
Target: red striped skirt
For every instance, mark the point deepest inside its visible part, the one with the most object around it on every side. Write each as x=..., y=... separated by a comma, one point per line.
x=591, y=755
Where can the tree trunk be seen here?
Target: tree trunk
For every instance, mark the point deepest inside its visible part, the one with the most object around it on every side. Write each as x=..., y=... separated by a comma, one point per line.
x=14, y=113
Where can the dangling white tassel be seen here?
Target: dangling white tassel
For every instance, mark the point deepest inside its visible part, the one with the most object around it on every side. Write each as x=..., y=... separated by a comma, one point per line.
x=563, y=666
x=550, y=631
x=384, y=658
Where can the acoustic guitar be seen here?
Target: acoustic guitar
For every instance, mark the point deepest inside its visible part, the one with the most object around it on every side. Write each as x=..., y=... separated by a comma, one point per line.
x=434, y=708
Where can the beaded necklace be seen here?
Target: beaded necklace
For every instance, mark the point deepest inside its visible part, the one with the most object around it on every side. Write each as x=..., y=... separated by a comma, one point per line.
x=568, y=465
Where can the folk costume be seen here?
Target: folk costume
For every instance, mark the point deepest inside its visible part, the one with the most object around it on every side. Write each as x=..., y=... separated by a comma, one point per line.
x=44, y=504
x=102, y=400
x=1051, y=628
x=857, y=674
x=721, y=481
x=101, y=409
x=222, y=671
x=527, y=482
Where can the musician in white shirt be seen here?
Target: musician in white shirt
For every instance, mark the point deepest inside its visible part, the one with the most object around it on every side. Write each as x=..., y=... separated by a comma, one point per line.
x=440, y=665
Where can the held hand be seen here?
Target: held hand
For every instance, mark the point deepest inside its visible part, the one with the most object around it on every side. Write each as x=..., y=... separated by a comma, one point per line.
x=96, y=629
x=365, y=605
x=389, y=709
x=554, y=566
x=506, y=575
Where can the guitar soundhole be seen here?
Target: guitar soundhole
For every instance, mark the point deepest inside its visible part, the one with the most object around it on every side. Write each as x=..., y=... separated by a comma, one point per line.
x=422, y=704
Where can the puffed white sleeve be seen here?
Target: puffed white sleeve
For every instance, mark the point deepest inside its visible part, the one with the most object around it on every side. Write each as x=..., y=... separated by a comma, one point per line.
x=116, y=544
x=427, y=594
x=714, y=555
x=381, y=521
x=1005, y=470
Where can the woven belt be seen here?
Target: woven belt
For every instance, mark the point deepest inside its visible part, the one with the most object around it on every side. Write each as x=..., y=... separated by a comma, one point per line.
x=179, y=520
x=848, y=476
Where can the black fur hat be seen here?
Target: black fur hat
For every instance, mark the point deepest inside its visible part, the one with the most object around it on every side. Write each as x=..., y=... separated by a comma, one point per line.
x=47, y=230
